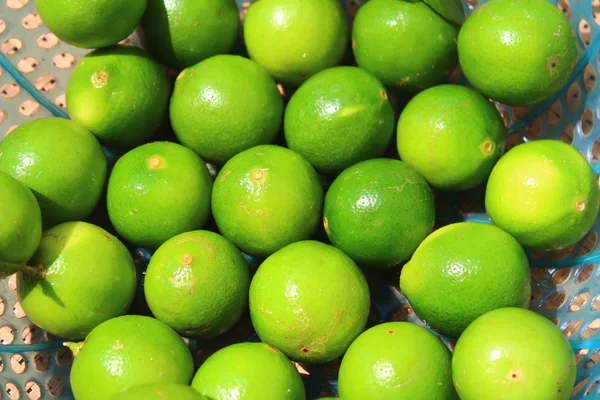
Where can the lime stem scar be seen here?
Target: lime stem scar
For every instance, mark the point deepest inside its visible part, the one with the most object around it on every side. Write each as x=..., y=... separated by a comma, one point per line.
x=580, y=205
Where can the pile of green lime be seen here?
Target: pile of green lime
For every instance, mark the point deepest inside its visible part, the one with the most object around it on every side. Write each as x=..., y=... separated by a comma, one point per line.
x=278, y=204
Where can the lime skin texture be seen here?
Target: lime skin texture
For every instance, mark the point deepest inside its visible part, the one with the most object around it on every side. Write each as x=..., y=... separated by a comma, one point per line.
x=265, y=198
x=534, y=32
x=125, y=352
x=407, y=45
x=224, y=105
x=181, y=33
x=120, y=94
x=20, y=225
x=61, y=162
x=544, y=193
x=149, y=202
x=378, y=211
x=197, y=283
x=160, y=391
x=91, y=24
x=397, y=360
x=249, y=371
x=79, y=277
x=310, y=301
x=462, y=271
x=514, y=354
x=339, y=117
x=295, y=39
x=452, y=135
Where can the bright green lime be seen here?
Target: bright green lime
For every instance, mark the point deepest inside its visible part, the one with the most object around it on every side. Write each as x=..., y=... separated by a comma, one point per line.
x=339, y=117
x=160, y=391
x=79, y=277
x=310, y=301
x=266, y=198
x=452, y=135
x=197, y=283
x=225, y=105
x=91, y=24
x=513, y=354
x=61, y=162
x=20, y=225
x=397, y=360
x=406, y=44
x=534, y=32
x=378, y=212
x=249, y=371
x=157, y=191
x=295, y=39
x=120, y=94
x=181, y=33
x=462, y=271
x=544, y=193
x=126, y=352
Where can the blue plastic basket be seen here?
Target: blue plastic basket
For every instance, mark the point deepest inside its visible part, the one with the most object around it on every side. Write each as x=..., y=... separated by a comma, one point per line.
x=34, y=70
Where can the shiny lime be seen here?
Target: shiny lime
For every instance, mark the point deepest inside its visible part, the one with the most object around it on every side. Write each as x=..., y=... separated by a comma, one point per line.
x=160, y=391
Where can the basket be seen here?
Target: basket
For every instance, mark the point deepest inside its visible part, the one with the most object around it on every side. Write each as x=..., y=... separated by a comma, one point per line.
x=566, y=284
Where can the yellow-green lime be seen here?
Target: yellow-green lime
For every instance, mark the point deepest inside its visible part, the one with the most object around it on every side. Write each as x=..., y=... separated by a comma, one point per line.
x=452, y=135
x=265, y=198
x=513, y=354
x=160, y=391
x=534, y=32
x=310, y=301
x=157, y=191
x=91, y=24
x=125, y=352
x=249, y=371
x=61, y=162
x=225, y=105
x=378, y=211
x=120, y=94
x=20, y=225
x=197, y=283
x=396, y=360
x=295, y=39
x=79, y=277
x=339, y=117
x=181, y=33
x=544, y=193
x=462, y=271
x=406, y=44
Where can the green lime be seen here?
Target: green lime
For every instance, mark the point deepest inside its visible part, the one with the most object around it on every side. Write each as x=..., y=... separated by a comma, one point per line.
x=181, y=33
x=61, y=162
x=452, y=135
x=125, y=352
x=397, y=360
x=79, y=277
x=544, y=193
x=295, y=39
x=249, y=371
x=225, y=105
x=406, y=44
x=310, y=301
x=120, y=94
x=197, y=283
x=91, y=24
x=513, y=354
x=378, y=211
x=266, y=198
x=148, y=200
x=160, y=391
x=462, y=271
x=534, y=32
x=339, y=117
x=20, y=225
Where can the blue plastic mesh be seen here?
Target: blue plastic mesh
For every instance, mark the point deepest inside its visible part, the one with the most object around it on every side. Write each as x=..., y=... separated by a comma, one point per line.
x=35, y=68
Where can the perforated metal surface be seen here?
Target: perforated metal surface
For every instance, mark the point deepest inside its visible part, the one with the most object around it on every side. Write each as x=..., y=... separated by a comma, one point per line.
x=566, y=283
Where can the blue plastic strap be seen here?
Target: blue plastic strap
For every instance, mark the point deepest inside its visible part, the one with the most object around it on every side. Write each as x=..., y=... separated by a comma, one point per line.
x=24, y=348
